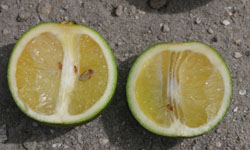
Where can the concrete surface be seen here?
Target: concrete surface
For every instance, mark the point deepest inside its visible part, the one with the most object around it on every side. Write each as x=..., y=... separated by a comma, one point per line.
x=130, y=26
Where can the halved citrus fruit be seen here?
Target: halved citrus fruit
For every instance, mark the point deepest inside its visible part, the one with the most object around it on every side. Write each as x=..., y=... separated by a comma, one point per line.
x=179, y=89
x=62, y=73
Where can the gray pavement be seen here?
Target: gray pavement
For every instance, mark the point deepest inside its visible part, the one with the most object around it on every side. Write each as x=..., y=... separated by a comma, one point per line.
x=130, y=26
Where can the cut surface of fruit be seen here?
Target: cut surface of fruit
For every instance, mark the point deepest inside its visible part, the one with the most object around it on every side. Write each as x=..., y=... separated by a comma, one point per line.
x=62, y=73
x=180, y=89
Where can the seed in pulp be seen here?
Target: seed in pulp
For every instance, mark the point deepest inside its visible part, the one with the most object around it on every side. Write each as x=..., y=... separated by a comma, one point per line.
x=170, y=107
x=60, y=65
x=86, y=75
x=75, y=69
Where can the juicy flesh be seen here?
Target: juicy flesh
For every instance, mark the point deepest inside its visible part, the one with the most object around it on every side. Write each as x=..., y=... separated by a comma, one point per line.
x=48, y=70
x=86, y=93
x=179, y=86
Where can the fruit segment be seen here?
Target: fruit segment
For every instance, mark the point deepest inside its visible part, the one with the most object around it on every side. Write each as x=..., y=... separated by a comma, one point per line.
x=202, y=90
x=94, y=70
x=181, y=85
x=148, y=92
x=38, y=74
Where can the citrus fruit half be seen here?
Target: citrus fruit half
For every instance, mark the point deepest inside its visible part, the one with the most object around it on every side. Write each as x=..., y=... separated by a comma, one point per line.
x=179, y=89
x=62, y=73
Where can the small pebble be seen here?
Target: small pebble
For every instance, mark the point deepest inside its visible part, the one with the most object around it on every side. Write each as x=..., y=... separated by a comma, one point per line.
x=165, y=28
x=56, y=145
x=44, y=8
x=66, y=18
x=136, y=17
x=160, y=37
x=4, y=7
x=51, y=131
x=34, y=124
x=210, y=147
x=225, y=22
x=247, y=53
x=118, y=10
x=197, y=21
x=157, y=4
x=228, y=10
x=196, y=147
x=73, y=139
x=30, y=145
x=104, y=141
x=61, y=11
x=218, y=130
x=125, y=10
x=141, y=12
x=235, y=109
x=16, y=37
x=79, y=138
x=78, y=147
x=237, y=42
x=126, y=55
x=237, y=55
x=5, y=31
x=83, y=20
x=242, y=92
x=214, y=39
x=123, y=123
x=210, y=31
x=119, y=43
x=218, y=144
x=116, y=128
x=133, y=9
x=23, y=16
x=3, y=133
x=65, y=146
x=65, y=7
x=122, y=59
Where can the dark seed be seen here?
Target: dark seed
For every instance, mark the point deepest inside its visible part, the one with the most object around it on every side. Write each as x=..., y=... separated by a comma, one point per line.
x=60, y=65
x=170, y=107
x=75, y=69
x=86, y=75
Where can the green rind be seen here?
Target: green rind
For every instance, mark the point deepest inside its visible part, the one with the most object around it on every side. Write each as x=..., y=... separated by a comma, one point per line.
x=173, y=135
x=83, y=120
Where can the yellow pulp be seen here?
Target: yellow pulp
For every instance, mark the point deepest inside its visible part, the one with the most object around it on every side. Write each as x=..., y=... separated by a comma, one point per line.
x=40, y=69
x=182, y=86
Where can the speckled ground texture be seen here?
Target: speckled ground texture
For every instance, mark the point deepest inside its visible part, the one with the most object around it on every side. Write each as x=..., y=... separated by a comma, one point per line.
x=130, y=26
